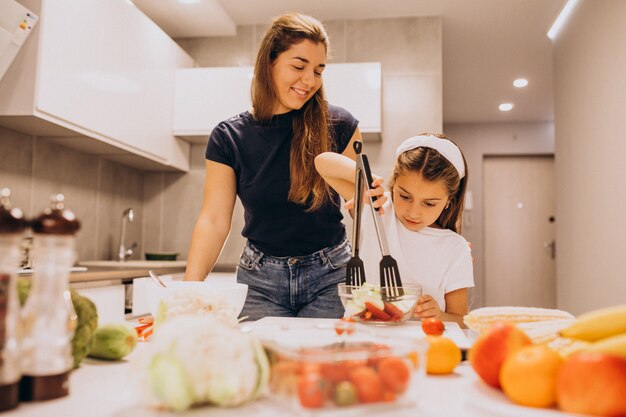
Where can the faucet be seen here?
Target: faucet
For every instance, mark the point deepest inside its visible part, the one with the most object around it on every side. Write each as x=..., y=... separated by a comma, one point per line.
x=124, y=252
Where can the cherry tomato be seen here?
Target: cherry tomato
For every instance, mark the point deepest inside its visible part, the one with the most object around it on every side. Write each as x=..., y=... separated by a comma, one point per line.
x=311, y=390
x=394, y=373
x=369, y=386
x=433, y=327
x=345, y=325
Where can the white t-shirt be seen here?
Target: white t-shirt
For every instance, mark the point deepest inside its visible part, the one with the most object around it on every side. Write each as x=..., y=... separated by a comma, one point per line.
x=440, y=260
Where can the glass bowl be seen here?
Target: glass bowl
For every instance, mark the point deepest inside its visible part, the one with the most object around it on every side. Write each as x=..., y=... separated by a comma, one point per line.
x=370, y=304
x=357, y=375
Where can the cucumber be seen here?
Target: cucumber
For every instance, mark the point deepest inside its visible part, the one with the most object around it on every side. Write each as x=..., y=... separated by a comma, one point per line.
x=113, y=341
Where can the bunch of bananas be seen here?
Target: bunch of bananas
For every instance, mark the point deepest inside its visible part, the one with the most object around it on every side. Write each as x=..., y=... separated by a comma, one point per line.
x=601, y=330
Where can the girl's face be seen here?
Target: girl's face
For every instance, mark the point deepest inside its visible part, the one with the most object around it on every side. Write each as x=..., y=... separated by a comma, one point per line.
x=297, y=75
x=418, y=202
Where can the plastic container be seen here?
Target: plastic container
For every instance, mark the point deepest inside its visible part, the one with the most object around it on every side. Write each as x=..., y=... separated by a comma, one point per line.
x=315, y=371
x=12, y=226
x=48, y=315
x=370, y=305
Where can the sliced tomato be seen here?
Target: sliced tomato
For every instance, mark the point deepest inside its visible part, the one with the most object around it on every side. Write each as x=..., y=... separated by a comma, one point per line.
x=377, y=313
x=345, y=325
x=393, y=311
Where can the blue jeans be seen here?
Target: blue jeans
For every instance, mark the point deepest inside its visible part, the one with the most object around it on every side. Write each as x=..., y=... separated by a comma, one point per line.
x=299, y=286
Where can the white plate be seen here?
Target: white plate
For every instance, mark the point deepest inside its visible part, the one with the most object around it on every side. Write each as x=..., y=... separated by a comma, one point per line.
x=486, y=401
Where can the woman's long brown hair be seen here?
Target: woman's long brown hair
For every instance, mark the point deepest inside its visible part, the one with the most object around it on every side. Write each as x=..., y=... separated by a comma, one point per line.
x=311, y=135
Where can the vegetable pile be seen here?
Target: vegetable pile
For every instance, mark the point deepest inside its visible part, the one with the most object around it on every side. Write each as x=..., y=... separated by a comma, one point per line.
x=194, y=360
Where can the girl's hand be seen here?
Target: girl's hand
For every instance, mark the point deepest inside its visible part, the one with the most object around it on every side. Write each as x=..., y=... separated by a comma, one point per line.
x=427, y=308
x=377, y=191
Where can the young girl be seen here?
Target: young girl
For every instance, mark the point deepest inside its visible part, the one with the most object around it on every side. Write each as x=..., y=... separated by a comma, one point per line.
x=422, y=220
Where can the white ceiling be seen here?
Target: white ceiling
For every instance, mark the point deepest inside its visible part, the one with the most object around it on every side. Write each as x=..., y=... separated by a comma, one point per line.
x=486, y=43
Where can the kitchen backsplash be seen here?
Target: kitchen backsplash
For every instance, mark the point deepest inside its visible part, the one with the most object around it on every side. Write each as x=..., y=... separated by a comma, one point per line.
x=96, y=189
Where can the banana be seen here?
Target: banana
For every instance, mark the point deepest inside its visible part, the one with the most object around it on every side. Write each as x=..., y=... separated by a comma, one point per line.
x=598, y=324
x=614, y=345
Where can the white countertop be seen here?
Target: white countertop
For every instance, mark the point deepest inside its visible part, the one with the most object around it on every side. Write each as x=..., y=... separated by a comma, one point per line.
x=105, y=389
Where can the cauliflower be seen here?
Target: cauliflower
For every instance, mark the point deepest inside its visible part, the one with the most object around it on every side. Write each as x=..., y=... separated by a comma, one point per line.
x=199, y=360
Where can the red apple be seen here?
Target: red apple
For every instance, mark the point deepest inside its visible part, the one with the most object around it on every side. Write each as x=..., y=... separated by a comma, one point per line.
x=593, y=383
x=492, y=347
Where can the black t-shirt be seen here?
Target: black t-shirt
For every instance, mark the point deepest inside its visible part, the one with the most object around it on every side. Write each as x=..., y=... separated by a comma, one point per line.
x=259, y=155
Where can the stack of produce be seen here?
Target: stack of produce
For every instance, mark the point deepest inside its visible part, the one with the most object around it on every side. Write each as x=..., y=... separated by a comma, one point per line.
x=590, y=379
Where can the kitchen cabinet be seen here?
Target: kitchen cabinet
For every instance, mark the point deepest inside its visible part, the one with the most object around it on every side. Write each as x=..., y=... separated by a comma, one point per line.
x=357, y=88
x=206, y=96
x=98, y=76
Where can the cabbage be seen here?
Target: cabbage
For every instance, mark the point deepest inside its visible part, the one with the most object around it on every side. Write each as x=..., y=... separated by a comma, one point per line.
x=196, y=360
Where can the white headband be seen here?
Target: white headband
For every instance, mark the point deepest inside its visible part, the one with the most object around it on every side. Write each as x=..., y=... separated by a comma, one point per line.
x=445, y=147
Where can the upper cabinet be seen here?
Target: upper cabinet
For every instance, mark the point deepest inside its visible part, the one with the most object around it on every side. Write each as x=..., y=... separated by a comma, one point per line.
x=357, y=88
x=98, y=76
x=206, y=96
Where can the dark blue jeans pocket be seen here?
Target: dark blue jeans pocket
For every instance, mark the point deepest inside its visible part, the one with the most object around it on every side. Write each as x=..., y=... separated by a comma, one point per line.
x=250, y=259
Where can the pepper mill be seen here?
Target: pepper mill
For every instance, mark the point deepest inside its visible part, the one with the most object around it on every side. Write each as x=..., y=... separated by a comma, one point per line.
x=12, y=225
x=48, y=316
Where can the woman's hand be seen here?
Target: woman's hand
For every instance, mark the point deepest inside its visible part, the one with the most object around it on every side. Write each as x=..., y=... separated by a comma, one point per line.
x=427, y=308
x=377, y=191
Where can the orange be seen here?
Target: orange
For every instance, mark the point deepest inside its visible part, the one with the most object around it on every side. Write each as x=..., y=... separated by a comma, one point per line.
x=528, y=376
x=443, y=355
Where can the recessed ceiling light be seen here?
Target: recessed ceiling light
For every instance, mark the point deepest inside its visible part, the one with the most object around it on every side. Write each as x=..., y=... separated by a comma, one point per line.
x=520, y=82
x=505, y=106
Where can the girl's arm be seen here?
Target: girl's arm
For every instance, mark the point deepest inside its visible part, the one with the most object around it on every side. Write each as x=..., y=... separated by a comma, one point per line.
x=456, y=307
x=338, y=170
x=214, y=221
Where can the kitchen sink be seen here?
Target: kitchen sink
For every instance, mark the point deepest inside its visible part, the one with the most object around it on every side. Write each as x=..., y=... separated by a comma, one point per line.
x=134, y=264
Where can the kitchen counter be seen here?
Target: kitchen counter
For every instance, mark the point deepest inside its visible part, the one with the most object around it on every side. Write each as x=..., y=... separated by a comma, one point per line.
x=120, y=273
x=108, y=389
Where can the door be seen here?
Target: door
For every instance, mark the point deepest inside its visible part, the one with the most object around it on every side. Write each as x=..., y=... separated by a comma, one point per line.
x=520, y=269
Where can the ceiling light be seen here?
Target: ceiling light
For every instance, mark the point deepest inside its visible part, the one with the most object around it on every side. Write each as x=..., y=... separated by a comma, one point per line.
x=188, y=1
x=560, y=20
x=520, y=82
x=505, y=106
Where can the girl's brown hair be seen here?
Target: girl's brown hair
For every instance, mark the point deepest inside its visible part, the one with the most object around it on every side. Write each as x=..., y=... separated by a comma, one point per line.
x=311, y=135
x=433, y=166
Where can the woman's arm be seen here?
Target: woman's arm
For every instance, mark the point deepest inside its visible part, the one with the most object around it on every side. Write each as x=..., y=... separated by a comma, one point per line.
x=456, y=307
x=213, y=224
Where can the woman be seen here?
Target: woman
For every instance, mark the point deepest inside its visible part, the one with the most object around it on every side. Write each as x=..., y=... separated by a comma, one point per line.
x=296, y=247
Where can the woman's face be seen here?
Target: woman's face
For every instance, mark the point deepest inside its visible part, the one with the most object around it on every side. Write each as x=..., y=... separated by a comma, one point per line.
x=418, y=202
x=297, y=75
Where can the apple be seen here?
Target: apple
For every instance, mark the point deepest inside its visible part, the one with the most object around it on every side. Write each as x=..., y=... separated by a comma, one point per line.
x=491, y=349
x=593, y=383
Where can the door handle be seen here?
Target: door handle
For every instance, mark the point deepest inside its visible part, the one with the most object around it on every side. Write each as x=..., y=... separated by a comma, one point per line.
x=552, y=246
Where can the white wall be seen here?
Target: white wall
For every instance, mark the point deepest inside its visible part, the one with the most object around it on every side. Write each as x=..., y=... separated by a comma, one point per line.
x=476, y=141
x=590, y=123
